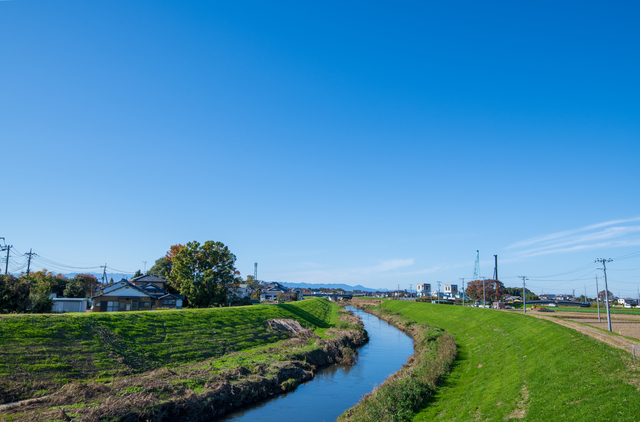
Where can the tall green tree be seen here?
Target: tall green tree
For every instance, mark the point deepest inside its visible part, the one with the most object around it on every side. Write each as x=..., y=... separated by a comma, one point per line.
x=204, y=273
x=161, y=269
x=14, y=295
x=76, y=288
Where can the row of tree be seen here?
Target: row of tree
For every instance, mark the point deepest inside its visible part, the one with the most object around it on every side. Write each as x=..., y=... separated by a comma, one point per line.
x=31, y=293
x=495, y=290
x=204, y=274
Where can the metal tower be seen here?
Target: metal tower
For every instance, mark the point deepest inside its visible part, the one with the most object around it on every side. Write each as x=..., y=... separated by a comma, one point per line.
x=476, y=270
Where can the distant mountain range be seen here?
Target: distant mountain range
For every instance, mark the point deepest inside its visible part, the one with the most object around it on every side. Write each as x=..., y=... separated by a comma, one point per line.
x=117, y=277
x=345, y=287
x=114, y=276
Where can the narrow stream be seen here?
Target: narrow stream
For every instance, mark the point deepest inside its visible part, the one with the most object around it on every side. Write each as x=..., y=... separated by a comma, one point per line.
x=337, y=387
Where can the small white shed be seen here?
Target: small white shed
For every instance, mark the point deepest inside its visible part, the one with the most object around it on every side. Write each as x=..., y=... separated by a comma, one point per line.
x=65, y=304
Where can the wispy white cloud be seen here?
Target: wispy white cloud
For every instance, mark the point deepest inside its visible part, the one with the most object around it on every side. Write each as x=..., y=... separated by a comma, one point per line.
x=608, y=234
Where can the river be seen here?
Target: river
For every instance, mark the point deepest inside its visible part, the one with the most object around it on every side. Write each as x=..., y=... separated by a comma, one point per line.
x=336, y=388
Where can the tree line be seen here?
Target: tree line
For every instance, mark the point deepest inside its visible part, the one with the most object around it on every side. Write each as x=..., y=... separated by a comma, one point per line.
x=205, y=274
x=31, y=293
x=495, y=290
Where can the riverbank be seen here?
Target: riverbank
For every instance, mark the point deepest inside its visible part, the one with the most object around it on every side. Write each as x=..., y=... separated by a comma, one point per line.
x=406, y=391
x=316, y=332
x=514, y=366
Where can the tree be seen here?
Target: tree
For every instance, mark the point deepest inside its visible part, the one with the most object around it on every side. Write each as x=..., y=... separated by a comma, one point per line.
x=161, y=269
x=173, y=251
x=76, y=288
x=90, y=281
x=14, y=295
x=254, y=284
x=203, y=274
x=137, y=274
x=475, y=291
x=47, y=281
x=40, y=294
x=601, y=295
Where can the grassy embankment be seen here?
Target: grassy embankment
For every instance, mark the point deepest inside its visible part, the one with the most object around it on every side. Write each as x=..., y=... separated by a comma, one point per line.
x=82, y=360
x=513, y=366
x=407, y=390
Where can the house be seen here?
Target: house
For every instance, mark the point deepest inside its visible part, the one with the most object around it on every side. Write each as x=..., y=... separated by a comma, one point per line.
x=142, y=293
x=66, y=304
x=270, y=292
x=424, y=289
x=450, y=290
x=241, y=291
x=627, y=301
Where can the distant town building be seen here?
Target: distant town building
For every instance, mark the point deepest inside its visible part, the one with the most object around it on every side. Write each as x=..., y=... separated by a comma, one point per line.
x=450, y=290
x=424, y=290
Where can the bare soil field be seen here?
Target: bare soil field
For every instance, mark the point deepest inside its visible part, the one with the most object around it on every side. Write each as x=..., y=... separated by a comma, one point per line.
x=625, y=325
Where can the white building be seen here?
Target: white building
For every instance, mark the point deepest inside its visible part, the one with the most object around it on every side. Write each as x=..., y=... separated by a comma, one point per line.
x=451, y=290
x=424, y=290
x=65, y=304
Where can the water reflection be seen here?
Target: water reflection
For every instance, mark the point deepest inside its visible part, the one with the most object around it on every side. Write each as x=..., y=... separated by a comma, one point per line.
x=337, y=387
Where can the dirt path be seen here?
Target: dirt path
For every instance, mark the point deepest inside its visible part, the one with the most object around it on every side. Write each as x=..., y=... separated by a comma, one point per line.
x=610, y=339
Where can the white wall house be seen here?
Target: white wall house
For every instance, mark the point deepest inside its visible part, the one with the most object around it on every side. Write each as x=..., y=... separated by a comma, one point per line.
x=424, y=290
x=450, y=290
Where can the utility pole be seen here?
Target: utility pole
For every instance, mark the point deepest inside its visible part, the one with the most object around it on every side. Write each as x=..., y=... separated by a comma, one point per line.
x=6, y=267
x=524, y=291
x=7, y=248
x=104, y=274
x=30, y=254
x=598, y=297
x=462, y=279
x=495, y=268
x=255, y=271
x=145, y=267
x=606, y=287
x=585, y=293
x=438, y=291
x=484, y=293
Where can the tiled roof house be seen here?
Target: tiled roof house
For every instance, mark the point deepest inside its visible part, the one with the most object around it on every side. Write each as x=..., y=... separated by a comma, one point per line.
x=138, y=294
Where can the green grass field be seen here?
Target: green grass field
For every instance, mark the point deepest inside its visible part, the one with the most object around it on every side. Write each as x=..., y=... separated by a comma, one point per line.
x=59, y=348
x=515, y=366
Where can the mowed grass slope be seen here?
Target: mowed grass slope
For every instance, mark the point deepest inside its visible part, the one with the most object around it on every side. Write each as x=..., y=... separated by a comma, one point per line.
x=76, y=346
x=513, y=366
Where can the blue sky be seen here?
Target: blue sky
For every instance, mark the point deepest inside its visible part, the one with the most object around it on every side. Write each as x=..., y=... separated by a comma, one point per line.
x=343, y=142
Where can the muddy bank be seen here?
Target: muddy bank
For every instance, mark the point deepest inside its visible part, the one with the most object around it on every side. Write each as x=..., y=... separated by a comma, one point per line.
x=203, y=391
x=407, y=390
